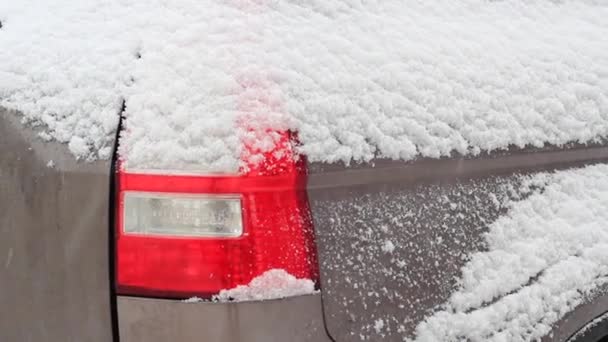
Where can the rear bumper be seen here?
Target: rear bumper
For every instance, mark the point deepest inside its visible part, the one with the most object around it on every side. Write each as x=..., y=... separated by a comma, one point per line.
x=155, y=320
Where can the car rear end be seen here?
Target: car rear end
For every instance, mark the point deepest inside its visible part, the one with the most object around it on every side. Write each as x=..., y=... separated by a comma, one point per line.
x=349, y=253
x=395, y=242
x=387, y=244
x=321, y=171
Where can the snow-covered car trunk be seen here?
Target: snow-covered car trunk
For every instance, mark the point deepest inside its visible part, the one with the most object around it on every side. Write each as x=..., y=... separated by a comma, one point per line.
x=417, y=250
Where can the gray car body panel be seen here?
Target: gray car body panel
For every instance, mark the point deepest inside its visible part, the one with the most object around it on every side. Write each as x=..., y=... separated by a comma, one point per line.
x=54, y=255
x=577, y=320
x=55, y=261
x=156, y=320
x=435, y=213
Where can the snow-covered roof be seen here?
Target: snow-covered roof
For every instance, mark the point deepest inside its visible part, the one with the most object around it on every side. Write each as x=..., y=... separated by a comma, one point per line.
x=356, y=79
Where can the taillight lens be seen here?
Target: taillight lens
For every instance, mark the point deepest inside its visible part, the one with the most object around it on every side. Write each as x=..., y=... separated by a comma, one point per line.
x=184, y=235
x=170, y=214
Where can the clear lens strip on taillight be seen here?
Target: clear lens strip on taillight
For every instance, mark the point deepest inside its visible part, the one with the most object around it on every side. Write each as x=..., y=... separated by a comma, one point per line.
x=188, y=215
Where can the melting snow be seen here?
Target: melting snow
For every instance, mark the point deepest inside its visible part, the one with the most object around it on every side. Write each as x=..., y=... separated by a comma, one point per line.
x=355, y=79
x=273, y=284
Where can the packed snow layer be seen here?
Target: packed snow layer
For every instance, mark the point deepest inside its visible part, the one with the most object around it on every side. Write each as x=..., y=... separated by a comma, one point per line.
x=545, y=257
x=272, y=284
x=356, y=79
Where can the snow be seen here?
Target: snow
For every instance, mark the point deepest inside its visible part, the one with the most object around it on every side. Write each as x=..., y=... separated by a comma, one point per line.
x=544, y=257
x=388, y=246
x=378, y=326
x=356, y=79
x=272, y=284
x=193, y=300
x=63, y=67
x=78, y=146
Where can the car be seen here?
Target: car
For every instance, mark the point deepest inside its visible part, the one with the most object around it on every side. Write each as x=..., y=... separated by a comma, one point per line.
x=317, y=171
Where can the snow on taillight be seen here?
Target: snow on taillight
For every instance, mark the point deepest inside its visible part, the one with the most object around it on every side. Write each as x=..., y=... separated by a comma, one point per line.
x=188, y=235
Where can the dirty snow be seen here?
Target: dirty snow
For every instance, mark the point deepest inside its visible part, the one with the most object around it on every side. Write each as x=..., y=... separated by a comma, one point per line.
x=545, y=257
x=272, y=284
x=355, y=79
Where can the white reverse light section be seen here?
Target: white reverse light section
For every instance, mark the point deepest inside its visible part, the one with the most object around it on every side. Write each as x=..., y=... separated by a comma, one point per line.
x=191, y=215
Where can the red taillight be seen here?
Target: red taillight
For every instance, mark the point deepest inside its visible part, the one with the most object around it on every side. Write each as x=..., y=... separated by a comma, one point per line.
x=199, y=256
